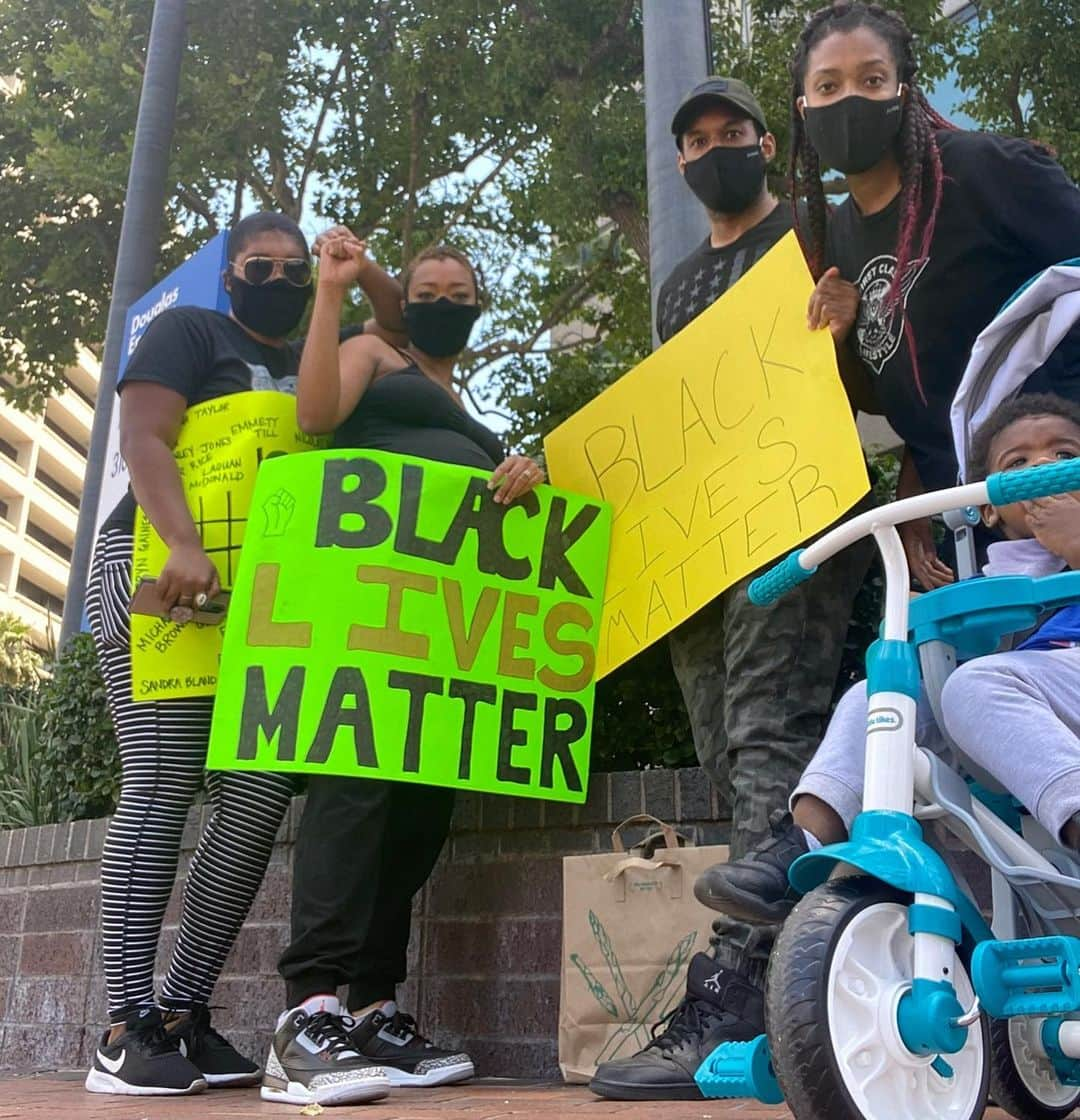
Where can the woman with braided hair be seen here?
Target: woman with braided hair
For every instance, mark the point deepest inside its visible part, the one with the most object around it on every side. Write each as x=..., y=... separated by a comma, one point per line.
x=940, y=227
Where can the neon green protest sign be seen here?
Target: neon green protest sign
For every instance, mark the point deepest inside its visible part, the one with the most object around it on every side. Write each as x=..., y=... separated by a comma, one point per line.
x=390, y=620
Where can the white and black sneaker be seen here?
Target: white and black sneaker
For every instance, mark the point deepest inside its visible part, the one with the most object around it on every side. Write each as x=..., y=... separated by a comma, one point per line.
x=312, y=1061
x=389, y=1037
x=213, y=1055
x=143, y=1062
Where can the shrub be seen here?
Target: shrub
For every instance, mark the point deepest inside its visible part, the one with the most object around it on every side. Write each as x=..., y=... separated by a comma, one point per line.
x=24, y=798
x=640, y=719
x=80, y=764
x=58, y=757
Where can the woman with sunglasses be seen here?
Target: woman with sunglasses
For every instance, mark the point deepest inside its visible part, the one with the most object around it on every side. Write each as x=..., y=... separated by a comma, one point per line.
x=366, y=847
x=165, y=1044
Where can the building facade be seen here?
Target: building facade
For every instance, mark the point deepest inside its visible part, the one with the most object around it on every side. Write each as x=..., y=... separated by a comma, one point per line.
x=42, y=467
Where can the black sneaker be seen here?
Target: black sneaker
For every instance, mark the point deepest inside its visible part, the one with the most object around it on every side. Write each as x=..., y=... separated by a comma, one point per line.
x=756, y=888
x=214, y=1056
x=390, y=1038
x=719, y=1006
x=143, y=1062
x=311, y=1061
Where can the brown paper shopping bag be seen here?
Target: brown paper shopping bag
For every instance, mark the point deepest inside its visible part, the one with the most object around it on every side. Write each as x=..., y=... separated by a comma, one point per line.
x=631, y=924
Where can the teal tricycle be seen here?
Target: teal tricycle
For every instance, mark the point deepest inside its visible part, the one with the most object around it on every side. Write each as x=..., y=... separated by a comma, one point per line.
x=890, y=994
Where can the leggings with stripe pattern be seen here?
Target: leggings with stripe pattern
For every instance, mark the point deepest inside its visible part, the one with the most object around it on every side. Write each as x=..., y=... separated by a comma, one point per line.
x=162, y=753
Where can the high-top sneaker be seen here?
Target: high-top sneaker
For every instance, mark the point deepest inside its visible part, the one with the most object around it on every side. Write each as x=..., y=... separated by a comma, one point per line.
x=143, y=1062
x=312, y=1061
x=389, y=1037
x=755, y=888
x=720, y=1005
x=212, y=1054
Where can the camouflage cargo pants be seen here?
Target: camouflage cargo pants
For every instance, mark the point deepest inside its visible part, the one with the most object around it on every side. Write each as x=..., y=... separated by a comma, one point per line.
x=757, y=683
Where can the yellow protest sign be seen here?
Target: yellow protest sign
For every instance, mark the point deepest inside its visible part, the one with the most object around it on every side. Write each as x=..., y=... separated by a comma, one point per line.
x=726, y=447
x=218, y=452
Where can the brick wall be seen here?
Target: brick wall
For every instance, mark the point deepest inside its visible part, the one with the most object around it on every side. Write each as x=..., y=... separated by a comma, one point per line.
x=486, y=936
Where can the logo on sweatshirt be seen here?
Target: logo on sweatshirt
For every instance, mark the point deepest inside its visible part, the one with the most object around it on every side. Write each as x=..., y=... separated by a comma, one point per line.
x=879, y=330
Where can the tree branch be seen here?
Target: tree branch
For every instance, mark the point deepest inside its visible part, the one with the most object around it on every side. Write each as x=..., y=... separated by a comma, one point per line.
x=350, y=118
x=260, y=189
x=459, y=166
x=197, y=205
x=474, y=194
x=238, y=197
x=284, y=198
x=320, y=121
x=411, y=184
x=484, y=411
x=624, y=211
x=1011, y=94
x=574, y=296
x=525, y=348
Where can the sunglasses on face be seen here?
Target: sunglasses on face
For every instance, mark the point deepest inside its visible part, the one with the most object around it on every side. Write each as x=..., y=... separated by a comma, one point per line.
x=261, y=270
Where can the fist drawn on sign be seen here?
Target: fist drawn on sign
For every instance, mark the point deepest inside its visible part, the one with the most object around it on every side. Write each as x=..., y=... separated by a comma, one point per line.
x=278, y=510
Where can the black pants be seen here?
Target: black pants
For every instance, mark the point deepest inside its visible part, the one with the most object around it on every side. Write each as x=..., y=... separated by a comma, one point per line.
x=364, y=849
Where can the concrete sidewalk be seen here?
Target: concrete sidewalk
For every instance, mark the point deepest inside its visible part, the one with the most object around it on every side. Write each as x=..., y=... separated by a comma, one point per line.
x=62, y=1097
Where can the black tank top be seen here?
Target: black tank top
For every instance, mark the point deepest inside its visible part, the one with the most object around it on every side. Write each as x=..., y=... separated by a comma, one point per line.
x=408, y=413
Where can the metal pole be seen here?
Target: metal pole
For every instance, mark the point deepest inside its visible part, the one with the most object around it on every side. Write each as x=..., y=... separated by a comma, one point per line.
x=136, y=257
x=678, y=55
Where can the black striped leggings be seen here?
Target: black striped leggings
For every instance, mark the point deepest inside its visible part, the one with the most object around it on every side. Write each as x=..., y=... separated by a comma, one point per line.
x=162, y=753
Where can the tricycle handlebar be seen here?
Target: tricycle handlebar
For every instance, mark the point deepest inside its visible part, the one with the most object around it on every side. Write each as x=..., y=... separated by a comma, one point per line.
x=999, y=489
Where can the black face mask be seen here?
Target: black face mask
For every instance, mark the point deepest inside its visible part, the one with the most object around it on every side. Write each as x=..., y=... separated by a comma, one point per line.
x=852, y=135
x=440, y=327
x=727, y=180
x=271, y=309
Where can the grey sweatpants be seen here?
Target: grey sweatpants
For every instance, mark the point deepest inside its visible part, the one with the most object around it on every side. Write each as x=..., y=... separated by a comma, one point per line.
x=1017, y=715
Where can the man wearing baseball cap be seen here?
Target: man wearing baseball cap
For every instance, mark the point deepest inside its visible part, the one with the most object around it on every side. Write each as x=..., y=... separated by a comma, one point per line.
x=723, y=146
x=757, y=682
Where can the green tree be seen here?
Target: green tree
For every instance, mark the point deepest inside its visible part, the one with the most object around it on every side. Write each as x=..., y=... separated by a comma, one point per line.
x=540, y=395
x=1021, y=67
x=512, y=128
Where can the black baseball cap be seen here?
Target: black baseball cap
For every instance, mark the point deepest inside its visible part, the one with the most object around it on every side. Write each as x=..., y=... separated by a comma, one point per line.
x=729, y=90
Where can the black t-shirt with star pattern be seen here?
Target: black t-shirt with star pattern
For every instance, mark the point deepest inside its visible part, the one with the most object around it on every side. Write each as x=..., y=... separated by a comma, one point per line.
x=702, y=278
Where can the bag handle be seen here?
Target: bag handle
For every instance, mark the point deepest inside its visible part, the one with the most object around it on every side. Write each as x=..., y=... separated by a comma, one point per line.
x=639, y=864
x=671, y=837
x=615, y=875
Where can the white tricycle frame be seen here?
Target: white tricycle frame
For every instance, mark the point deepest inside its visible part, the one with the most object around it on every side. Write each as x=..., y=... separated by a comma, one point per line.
x=889, y=996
